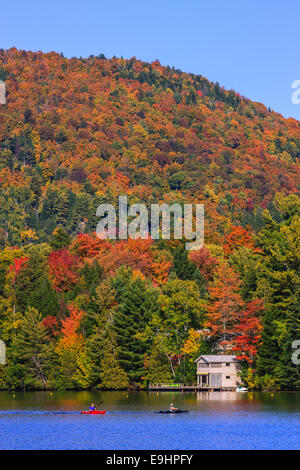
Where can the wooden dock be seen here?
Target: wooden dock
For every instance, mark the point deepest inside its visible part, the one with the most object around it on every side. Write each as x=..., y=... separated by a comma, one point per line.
x=176, y=387
x=185, y=388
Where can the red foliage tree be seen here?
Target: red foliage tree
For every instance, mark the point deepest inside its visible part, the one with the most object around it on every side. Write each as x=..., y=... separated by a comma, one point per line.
x=133, y=253
x=63, y=270
x=204, y=262
x=51, y=324
x=89, y=245
x=16, y=267
x=249, y=331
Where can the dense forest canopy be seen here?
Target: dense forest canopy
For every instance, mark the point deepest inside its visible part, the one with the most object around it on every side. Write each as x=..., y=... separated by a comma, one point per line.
x=78, y=312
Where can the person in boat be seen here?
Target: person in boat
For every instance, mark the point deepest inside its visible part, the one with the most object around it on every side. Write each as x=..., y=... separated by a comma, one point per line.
x=172, y=408
x=92, y=407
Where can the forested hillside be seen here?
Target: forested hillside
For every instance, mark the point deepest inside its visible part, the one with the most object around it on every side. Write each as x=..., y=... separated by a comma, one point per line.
x=78, y=312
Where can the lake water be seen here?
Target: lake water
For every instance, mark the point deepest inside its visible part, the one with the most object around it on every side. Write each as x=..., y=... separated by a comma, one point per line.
x=216, y=420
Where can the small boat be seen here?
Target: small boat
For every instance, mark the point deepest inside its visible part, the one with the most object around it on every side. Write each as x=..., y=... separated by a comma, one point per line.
x=173, y=412
x=95, y=412
x=241, y=389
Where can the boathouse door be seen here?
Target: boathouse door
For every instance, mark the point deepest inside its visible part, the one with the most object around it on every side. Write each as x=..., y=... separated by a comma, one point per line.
x=215, y=380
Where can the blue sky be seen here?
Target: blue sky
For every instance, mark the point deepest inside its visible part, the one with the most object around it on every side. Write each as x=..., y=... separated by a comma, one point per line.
x=249, y=45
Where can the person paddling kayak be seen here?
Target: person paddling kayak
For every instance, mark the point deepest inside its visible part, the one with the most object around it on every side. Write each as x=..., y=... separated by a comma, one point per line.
x=172, y=408
x=93, y=410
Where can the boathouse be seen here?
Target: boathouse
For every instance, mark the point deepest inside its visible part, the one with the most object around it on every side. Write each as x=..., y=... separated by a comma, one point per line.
x=217, y=372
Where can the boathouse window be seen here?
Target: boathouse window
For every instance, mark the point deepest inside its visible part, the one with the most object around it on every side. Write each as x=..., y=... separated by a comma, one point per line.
x=227, y=376
x=227, y=364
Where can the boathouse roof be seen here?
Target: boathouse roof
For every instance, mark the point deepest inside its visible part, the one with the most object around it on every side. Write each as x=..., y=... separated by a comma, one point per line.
x=217, y=358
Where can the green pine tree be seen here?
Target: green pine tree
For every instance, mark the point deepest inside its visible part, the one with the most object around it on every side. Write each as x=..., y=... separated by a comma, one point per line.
x=130, y=321
x=29, y=278
x=44, y=298
x=112, y=376
x=279, y=283
x=31, y=353
x=184, y=269
x=287, y=370
x=60, y=238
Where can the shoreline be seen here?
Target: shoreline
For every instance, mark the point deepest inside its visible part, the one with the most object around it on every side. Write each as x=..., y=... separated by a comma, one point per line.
x=52, y=390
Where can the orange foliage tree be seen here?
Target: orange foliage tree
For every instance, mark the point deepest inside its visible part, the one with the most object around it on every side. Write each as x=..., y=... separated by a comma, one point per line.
x=223, y=311
x=70, y=338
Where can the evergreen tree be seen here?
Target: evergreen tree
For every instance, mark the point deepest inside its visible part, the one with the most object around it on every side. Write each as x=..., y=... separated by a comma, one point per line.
x=279, y=283
x=287, y=370
x=184, y=269
x=49, y=204
x=62, y=209
x=43, y=297
x=28, y=279
x=31, y=352
x=80, y=213
x=269, y=351
x=112, y=376
x=99, y=324
x=130, y=320
x=92, y=273
x=60, y=239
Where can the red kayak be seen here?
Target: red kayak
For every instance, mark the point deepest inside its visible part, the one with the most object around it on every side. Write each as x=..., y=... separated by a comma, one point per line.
x=95, y=412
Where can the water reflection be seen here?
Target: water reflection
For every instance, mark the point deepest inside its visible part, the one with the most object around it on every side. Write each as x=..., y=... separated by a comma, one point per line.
x=148, y=401
x=219, y=396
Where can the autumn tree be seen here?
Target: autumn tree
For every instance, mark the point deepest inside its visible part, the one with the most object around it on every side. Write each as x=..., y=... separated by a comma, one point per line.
x=248, y=331
x=63, y=270
x=223, y=310
x=70, y=348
